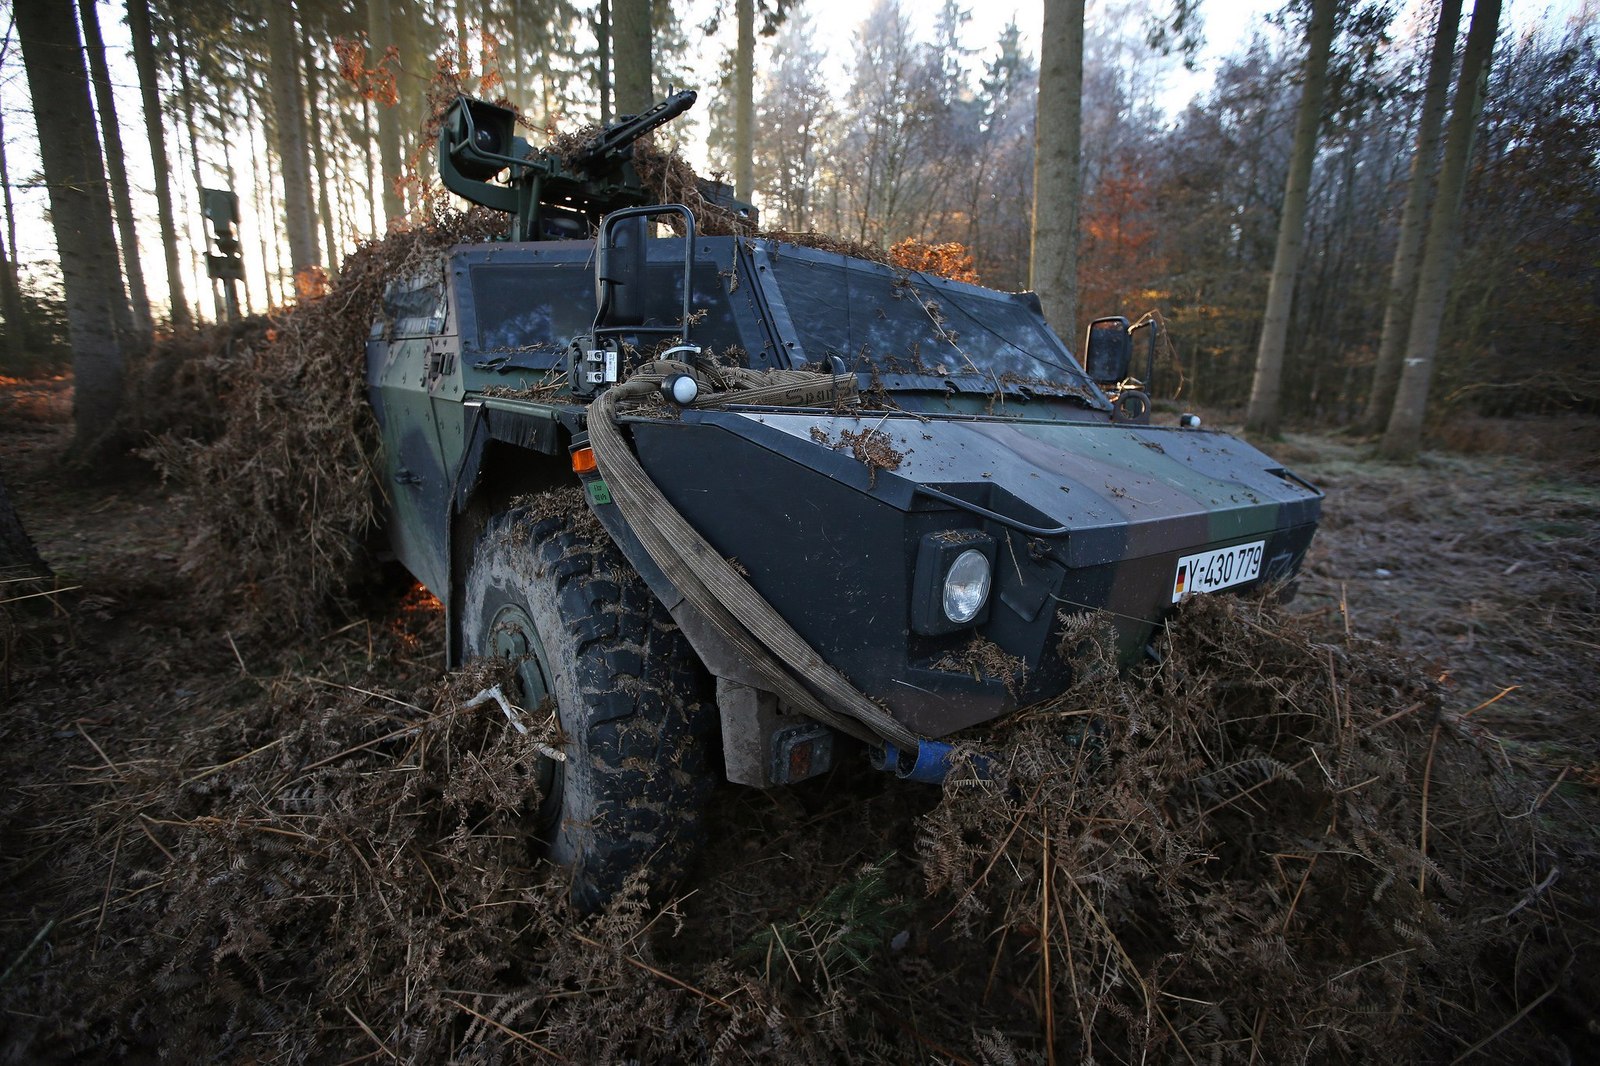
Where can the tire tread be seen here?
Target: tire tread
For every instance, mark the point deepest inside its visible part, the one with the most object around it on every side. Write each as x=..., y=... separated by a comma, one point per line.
x=647, y=732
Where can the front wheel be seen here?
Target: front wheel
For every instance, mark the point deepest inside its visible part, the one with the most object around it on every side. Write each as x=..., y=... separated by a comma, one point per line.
x=587, y=634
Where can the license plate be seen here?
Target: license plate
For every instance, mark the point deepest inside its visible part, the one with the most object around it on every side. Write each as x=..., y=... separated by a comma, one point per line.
x=1219, y=569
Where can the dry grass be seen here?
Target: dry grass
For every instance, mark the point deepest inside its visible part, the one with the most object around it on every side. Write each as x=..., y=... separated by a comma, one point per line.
x=985, y=659
x=1486, y=567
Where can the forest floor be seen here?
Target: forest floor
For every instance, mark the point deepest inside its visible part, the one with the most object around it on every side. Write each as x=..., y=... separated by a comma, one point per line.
x=1483, y=563
x=1484, y=566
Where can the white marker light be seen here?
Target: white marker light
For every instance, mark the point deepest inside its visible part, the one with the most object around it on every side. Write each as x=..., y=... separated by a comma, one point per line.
x=681, y=389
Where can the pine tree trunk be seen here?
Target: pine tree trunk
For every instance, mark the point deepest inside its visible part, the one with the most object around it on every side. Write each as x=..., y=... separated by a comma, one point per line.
x=1266, y=391
x=463, y=55
x=1403, y=435
x=513, y=69
x=744, y=118
x=319, y=152
x=288, y=107
x=191, y=127
x=603, y=41
x=144, y=62
x=630, y=39
x=380, y=33
x=231, y=289
x=369, y=138
x=1413, y=221
x=412, y=35
x=10, y=282
x=10, y=207
x=1058, y=139
x=274, y=236
x=80, y=211
x=11, y=308
x=260, y=188
x=117, y=169
x=488, y=60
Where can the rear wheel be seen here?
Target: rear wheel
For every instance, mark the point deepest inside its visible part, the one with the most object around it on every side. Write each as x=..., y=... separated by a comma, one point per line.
x=587, y=634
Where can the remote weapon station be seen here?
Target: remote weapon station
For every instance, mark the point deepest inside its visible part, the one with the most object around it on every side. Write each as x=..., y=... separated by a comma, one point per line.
x=732, y=505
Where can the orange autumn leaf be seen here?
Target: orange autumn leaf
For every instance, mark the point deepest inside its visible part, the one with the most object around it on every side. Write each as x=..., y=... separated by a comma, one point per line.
x=949, y=260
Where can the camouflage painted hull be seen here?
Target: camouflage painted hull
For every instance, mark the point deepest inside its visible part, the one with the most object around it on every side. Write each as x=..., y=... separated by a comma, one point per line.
x=1082, y=515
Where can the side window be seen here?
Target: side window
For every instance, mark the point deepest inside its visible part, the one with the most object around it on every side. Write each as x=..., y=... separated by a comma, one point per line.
x=522, y=306
x=530, y=307
x=414, y=306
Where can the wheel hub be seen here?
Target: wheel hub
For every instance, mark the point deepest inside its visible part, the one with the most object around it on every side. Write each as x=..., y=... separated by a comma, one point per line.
x=513, y=637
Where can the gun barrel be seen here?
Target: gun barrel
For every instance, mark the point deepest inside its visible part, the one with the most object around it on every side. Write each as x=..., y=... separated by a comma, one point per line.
x=612, y=143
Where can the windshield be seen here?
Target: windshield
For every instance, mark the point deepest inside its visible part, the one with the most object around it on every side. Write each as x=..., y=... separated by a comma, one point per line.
x=888, y=321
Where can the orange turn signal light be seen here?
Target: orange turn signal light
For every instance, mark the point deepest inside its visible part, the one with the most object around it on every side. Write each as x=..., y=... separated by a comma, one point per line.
x=583, y=461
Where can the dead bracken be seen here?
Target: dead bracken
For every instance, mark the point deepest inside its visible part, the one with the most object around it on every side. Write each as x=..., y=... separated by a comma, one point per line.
x=1218, y=857
x=984, y=659
x=871, y=447
x=285, y=493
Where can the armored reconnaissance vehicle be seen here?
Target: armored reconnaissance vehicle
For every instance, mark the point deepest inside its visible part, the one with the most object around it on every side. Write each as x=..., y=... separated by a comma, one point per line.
x=733, y=505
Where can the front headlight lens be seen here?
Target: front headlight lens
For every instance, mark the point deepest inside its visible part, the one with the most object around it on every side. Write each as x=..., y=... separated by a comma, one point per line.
x=966, y=587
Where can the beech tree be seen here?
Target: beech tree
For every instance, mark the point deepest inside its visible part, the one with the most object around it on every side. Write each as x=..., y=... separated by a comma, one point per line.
x=744, y=81
x=955, y=127
x=1403, y=434
x=744, y=91
x=10, y=280
x=883, y=144
x=1414, y=222
x=602, y=39
x=932, y=136
x=795, y=110
x=1525, y=302
x=1263, y=414
x=1000, y=176
x=1053, y=270
x=386, y=97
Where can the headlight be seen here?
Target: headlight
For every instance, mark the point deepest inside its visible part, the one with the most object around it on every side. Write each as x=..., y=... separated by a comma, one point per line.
x=951, y=584
x=966, y=587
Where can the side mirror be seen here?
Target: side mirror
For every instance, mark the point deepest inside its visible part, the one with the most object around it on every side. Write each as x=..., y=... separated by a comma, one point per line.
x=619, y=272
x=1108, y=350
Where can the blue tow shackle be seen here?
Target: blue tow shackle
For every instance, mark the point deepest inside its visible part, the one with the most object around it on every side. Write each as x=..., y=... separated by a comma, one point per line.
x=930, y=764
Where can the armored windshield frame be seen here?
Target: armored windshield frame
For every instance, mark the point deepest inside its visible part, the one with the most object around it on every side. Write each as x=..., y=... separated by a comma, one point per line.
x=974, y=340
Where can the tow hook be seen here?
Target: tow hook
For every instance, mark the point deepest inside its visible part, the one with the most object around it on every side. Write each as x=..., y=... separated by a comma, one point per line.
x=930, y=764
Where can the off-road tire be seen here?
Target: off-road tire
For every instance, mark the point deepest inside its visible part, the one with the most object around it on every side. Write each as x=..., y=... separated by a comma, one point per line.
x=628, y=692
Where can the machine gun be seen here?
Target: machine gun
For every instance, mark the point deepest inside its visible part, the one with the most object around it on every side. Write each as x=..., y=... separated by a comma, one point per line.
x=550, y=197
x=614, y=144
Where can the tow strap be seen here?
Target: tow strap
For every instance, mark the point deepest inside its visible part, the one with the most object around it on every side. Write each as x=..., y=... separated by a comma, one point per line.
x=786, y=663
